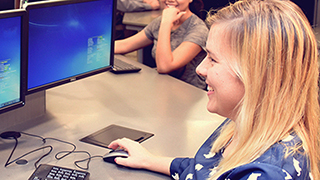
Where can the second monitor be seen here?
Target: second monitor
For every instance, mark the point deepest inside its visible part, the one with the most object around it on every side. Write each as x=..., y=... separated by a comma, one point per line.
x=68, y=40
x=12, y=59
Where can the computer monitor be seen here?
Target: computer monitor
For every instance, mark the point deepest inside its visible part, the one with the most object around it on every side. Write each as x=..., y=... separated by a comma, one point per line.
x=12, y=58
x=68, y=40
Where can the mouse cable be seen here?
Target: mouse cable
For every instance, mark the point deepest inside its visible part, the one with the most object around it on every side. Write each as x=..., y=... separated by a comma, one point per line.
x=33, y=135
x=44, y=147
x=76, y=163
x=44, y=140
x=66, y=153
x=15, y=146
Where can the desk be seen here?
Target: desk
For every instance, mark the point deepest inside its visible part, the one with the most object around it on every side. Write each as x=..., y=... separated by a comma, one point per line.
x=171, y=109
x=136, y=21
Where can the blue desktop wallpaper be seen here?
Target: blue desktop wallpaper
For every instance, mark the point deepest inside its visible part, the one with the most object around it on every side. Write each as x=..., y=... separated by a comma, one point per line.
x=68, y=40
x=10, y=39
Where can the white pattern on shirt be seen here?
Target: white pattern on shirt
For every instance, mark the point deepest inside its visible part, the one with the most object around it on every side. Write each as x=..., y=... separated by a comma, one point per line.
x=198, y=167
x=288, y=176
x=254, y=176
x=175, y=176
x=209, y=155
x=189, y=176
x=296, y=166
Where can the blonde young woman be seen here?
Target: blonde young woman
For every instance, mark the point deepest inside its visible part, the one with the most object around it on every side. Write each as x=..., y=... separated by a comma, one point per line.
x=177, y=37
x=262, y=72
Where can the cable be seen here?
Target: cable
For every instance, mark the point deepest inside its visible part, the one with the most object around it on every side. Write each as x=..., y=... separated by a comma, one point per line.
x=51, y=148
x=33, y=135
x=89, y=158
x=65, y=153
x=35, y=164
x=44, y=140
x=88, y=161
x=14, y=148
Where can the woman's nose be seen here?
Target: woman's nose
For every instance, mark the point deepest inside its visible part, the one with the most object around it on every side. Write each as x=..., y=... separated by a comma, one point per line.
x=201, y=70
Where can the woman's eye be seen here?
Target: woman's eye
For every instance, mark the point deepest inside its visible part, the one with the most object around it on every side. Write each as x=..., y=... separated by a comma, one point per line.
x=212, y=60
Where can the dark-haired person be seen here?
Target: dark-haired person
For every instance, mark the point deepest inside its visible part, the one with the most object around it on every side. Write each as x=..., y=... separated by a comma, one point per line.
x=177, y=37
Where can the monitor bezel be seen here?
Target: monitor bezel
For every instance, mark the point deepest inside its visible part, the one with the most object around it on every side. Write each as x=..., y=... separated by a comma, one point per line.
x=23, y=56
x=45, y=4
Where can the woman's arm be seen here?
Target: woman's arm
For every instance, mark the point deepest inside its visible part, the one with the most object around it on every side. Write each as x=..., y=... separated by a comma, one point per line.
x=140, y=158
x=132, y=43
x=182, y=55
x=167, y=60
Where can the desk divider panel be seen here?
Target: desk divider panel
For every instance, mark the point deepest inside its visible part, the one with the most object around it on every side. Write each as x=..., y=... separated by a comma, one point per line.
x=35, y=106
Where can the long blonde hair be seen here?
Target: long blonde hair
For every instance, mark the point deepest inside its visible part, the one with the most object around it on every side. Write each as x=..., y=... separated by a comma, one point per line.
x=276, y=54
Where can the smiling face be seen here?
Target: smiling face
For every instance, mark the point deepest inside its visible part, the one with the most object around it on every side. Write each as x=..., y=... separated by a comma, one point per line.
x=225, y=89
x=182, y=5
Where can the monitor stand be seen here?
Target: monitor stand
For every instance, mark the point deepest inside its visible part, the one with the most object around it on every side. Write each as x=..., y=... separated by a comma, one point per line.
x=35, y=106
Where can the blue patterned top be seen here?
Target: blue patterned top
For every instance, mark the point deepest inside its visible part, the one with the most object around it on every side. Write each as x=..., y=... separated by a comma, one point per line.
x=271, y=165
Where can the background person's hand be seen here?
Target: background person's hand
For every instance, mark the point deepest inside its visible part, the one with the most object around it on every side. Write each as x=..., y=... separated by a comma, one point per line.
x=171, y=15
x=155, y=4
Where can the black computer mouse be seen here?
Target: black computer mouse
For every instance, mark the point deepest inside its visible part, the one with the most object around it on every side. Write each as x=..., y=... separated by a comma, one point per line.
x=114, y=154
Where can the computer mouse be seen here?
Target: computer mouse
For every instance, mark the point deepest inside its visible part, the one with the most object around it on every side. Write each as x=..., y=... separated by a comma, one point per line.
x=114, y=154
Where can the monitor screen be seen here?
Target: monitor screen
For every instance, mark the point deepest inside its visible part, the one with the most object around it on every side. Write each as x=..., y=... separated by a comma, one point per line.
x=12, y=56
x=68, y=40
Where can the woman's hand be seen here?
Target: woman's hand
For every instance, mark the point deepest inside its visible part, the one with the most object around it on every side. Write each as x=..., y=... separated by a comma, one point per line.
x=171, y=15
x=139, y=157
x=166, y=59
x=155, y=4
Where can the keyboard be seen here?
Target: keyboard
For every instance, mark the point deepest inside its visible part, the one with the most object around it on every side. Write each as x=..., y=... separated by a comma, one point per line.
x=49, y=172
x=123, y=67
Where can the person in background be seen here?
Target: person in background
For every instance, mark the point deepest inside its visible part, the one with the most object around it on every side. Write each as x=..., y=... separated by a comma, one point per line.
x=262, y=73
x=177, y=37
x=124, y=6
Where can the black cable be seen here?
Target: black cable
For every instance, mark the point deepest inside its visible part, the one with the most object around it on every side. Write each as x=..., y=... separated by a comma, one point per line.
x=33, y=135
x=66, y=153
x=86, y=159
x=14, y=148
x=35, y=150
x=44, y=140
x=51, y=148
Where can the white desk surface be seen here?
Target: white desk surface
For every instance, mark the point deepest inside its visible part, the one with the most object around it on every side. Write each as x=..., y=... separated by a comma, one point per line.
x=171, y=109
